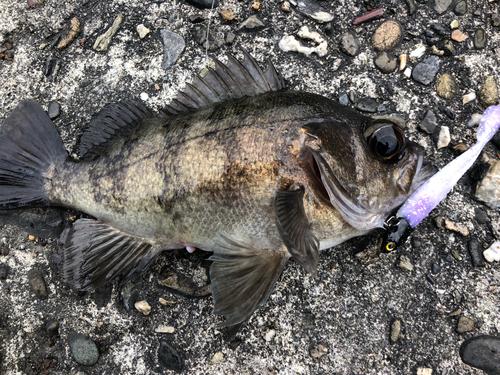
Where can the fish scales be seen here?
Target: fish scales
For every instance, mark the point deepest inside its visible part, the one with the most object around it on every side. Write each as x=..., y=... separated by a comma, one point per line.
x=234, y=165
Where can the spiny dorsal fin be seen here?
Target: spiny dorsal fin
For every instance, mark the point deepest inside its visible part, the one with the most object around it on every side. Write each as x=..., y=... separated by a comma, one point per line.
x=293, y=227
x=95, y=253
x=114, y=122
x=230, y=81
x=242, y=276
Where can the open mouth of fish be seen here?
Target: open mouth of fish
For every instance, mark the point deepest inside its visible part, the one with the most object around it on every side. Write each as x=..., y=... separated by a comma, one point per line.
x=330, y=189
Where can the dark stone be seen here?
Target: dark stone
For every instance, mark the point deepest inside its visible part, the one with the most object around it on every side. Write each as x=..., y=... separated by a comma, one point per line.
x=54, y=110
x=475, y=253
x=170, y=358
x=412, y=7
x=52, y=327
x=40, y=222
x=50, y=66
x=386, y=63
x=460, y=8
x=439, y=221
x=367, y=105
x=415, y=242
x=429, y=122
x=479, y=171
x=344, y=99
x=446, y=46
x=173, y=46
x=200, y=36
x=37, y=283
x=352, y=97
x=482, y=352
x=252, y=22
x=203, y=4
x=84, y=350
x=432, y=41
x=496, y=140
x=235, y=343
x=196, y=18
x=435, y=268
x=430, y=279
x=478, y=12
x=425, y=71
x=429, y=33
x=4, y=271
x=440, y=29
x=480, y=216
x=480, y=39
x=495, y=19
x=102, y=295
x=349, y=44
x=441, y=6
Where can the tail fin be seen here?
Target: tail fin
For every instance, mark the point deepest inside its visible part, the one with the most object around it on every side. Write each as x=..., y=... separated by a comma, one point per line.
x=29, y=145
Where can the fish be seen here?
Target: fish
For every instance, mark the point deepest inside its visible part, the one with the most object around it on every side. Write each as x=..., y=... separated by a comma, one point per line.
x=236, y=165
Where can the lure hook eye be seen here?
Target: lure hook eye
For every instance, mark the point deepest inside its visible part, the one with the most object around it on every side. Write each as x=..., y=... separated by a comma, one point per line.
x=397, y=231
x=390, y=246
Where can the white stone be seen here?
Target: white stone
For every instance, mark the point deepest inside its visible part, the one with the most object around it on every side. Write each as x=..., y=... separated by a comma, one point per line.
x=418, y=52
x=424, y=371
x=469, y=98
x=144, y=96
x=488, y=189
x=143, y=307
x=142, y=30
x=474, y=120
x=289, y=43
x=492, y=254
x=270, y=335
x=407, y=72
x=165, y=329
x=444, y=137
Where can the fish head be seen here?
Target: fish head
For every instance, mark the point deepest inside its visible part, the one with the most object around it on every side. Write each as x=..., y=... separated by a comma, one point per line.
x=364, y=171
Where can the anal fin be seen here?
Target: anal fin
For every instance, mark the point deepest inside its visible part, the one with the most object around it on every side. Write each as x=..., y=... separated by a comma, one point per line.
x=242, y=276
x=95, y=253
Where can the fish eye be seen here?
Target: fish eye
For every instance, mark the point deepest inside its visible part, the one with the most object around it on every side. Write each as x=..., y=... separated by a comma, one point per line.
x=390, y=246
x=386, y=141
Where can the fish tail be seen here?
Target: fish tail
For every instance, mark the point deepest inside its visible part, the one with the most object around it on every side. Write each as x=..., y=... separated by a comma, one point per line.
x=29, y=147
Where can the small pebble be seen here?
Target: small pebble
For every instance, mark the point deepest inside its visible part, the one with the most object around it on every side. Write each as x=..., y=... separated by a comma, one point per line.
x=344, y=99
x=251, y=22
x=256, y=5
x=405, y=263
x=444, y=137
x=418, y=52
x=196, y=18
x=286, y=6
x=84, y=350
x=480, y=39
x=488, y=94
x=439, y=29
x=37, y=283
x=270, y=335
x=454, y=24
x=435, y=268
x=475, y=253
x=468, y=98
x=386, y=63
x=474, y=120
x=367, y=105
x=144, y=96
x=228, y=15
x=430, y=279
x=143, y=307
x=402, y=61
x=407, y=72
x=465, y=324
x=492, y=254
x=429, y=123
x=450, y=225
x=480, y=216
x=142, y=30
x=349, y=44
x=446, y=86
x=424, y=371
x=4, y=271
x=456, y=312
x=460, y=8
x=169, y=357
x=173, y=46
x=54, y=110
x=395, y=330
x=425, y=71
x=455, y=254
x=230, y=37
x=52, y=327
x=165, y=329
x=488, y=189
x=318, y=351
x=495, y=19
x=458, y=36
x=387, y=36
x=217, y=358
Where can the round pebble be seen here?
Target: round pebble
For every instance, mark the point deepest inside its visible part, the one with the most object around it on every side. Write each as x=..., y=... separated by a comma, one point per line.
x=488, y=94
x=387, y=36
x=386, y=63
x=367, y=105
x=143, y=307
x=460, y=8
x=349, y=44
x=395, y=330
x=54, y=109
x=37, y=283
x=84, y=350
x=435, y=268
x=475, y=253
x=482, y=352
x=446, y=86
x=465, y=324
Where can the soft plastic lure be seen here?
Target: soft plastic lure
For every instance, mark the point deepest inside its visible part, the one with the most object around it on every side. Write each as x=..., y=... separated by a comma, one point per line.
x=433, y=191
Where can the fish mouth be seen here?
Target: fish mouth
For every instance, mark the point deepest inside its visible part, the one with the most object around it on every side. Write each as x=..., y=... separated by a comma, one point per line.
x=330, y=189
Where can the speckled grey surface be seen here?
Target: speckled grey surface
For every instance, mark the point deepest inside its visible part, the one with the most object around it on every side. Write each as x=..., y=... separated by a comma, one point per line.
x=350, y=306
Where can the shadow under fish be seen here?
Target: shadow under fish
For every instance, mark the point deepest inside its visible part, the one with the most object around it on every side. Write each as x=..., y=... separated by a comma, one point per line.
x=236, y=165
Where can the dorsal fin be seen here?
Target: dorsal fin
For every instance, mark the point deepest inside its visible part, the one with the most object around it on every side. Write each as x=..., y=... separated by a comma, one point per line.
x=114, y=122
x=233, y=80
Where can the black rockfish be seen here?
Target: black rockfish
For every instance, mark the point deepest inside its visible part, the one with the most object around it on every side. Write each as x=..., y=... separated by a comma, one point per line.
x=236, y=165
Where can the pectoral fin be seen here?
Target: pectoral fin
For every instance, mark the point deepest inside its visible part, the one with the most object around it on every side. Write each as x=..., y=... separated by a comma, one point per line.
x=242, y=276
x=294, y=229
x=95, y=253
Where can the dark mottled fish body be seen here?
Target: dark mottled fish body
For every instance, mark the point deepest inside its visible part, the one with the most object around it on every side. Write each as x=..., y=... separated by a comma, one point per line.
x=235, y=165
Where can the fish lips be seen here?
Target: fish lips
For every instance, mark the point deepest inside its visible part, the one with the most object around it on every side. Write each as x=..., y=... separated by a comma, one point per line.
x=329, y=188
